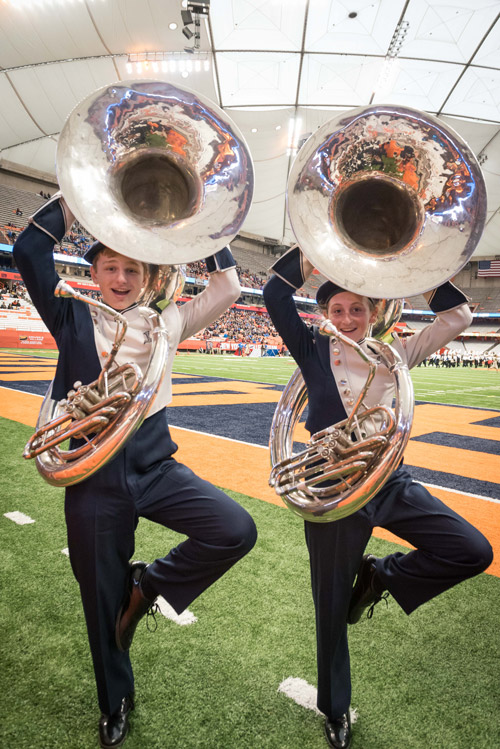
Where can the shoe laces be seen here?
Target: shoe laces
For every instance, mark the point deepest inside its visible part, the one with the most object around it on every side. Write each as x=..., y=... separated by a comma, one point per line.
x=383, y=597
x=151, y=623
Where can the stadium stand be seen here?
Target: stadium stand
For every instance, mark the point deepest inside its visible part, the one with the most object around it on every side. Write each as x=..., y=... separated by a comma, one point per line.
x=252, y=324
x=12, y=199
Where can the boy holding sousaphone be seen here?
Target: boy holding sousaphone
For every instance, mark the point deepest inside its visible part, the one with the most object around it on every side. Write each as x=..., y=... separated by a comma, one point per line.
x=143, y=478
x=345, y=582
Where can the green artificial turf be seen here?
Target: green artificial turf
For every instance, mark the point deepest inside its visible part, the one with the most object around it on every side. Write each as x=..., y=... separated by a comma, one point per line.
x=464, y=386
x=429, y=680
x=46, y=353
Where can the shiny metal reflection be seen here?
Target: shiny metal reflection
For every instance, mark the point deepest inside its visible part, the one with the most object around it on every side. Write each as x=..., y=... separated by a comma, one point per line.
x=102, y=415
x=355, y=456
x=386, y=201
x=155, y=172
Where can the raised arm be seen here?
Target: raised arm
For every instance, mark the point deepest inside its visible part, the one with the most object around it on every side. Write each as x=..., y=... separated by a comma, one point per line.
x=223, y=289
x=33, y=255
x=453, y=316
x=289, y=274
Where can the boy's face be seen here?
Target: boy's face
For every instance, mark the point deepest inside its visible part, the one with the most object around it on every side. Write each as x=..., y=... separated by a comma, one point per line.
x=120, y=278
x=351, y=314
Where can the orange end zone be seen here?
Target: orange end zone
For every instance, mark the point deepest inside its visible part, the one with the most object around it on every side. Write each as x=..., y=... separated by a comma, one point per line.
x=18, y=406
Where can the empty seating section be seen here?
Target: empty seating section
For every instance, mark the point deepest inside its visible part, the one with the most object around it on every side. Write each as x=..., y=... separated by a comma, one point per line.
x=487, y=299
x=12, y=199
x=24, y=317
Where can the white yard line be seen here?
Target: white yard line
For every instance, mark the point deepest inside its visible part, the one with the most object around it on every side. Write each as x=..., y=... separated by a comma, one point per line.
x=186, y=617
x=19, y=517
x=458, y=491
x=305, y=695
x=301, y=692
x=217, y=436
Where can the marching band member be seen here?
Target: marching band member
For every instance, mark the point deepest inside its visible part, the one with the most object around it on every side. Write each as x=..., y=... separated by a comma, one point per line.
x=143, y=479
x=447, y=548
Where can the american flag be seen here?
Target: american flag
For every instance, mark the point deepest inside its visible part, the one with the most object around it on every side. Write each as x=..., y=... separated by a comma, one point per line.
x=488, y=268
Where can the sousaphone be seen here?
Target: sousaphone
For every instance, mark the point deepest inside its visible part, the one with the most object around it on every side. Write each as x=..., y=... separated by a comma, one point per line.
x=162, y=175
x=386, y=202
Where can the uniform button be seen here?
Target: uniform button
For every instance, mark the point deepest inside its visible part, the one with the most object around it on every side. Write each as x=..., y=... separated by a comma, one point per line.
x=343, y=382
x=350, y=402
x=336, y=351
x=347, y=391
x=104, y=353
x=336, y=362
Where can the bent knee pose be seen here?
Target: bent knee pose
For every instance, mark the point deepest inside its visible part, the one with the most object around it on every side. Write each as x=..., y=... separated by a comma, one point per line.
x=143, y=479
x=447, y=548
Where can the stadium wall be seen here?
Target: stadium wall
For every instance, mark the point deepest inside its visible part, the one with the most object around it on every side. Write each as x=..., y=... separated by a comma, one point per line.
x=24, y=178
x=11, y=338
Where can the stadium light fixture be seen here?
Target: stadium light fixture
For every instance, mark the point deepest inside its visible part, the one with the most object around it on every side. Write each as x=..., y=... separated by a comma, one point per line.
x=169, y=62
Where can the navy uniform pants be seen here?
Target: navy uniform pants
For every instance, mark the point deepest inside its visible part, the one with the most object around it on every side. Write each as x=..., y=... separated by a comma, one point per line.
x=448, y=550
x=102, y=513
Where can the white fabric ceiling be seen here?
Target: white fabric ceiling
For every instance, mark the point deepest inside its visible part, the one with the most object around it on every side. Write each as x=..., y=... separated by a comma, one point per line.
x=271, y=60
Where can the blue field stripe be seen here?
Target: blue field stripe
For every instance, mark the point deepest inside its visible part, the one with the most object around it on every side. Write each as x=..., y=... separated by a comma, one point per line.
x=250, y=422
x=36, y=387
x=452, y=481
x=211, y=392
x=493, y=422
x=461, y=442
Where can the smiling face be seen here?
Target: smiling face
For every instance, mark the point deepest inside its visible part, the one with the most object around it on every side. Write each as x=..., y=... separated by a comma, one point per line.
x=120, y=279
x=351, y=314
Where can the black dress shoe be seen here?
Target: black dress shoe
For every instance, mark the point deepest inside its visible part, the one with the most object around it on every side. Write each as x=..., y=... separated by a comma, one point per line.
x=113, y=729
x=338, y=731
x=134, y=607
x=367, y=591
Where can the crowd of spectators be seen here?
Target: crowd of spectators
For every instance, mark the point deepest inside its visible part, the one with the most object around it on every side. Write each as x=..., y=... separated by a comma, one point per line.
x=245, y=326
x=249, y=279
x=248, y=326
x=11, y=298
x=78, y=241
x=242, y=325
x=197, y=270
x=75, y=243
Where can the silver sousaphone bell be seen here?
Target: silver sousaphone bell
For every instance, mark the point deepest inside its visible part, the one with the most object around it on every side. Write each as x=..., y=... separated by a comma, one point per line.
x=158, y=173
x=387, y=202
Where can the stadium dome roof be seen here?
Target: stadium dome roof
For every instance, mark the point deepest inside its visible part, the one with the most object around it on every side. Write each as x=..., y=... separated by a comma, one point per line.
x=272, y=64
